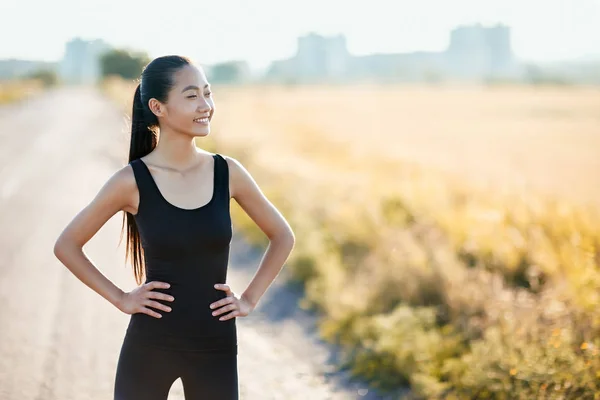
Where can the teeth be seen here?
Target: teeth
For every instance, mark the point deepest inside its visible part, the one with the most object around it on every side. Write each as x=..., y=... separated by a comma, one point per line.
x=201, y=120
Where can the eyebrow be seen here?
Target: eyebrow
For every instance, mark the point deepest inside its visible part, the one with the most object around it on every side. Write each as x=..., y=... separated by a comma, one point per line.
x=193, y=87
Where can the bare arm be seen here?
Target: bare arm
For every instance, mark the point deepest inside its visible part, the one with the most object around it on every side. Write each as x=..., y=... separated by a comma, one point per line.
x=114, y=196
x=252, y=200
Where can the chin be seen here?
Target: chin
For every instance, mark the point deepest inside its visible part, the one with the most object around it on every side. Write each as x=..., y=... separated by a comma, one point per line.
x=199, y=130
x=203, y=133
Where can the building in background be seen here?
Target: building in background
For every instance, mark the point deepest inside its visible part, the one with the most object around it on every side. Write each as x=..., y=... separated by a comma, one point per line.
x=81, y=61
x=478, y=51
x=317, y=58
x=474, y=53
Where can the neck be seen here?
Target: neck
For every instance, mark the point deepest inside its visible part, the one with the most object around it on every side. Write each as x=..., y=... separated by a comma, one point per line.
x=176, y=150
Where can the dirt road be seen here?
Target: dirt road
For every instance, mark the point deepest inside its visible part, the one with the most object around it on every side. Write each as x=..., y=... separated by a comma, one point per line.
x=58, y=338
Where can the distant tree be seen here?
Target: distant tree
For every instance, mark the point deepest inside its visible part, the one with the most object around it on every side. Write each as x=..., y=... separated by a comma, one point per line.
x=228, y=72
x=124, y=63
x=46, y=76
x=432, y=75
x=537, y=75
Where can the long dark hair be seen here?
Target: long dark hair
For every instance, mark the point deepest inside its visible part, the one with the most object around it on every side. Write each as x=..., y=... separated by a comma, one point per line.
x=155, y=82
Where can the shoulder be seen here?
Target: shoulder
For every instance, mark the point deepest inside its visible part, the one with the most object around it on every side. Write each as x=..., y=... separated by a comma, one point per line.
x=124, y=178
x=236, y=168
x=118, y=191
x=121, y=183
x=232, y=163
x=240, y=178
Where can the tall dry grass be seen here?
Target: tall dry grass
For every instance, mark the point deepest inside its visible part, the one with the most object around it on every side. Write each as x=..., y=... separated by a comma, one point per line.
x=447, y=236
x=13, y=90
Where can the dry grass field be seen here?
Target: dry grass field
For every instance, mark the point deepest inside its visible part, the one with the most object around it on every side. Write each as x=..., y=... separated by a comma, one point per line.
x=11, y=91
x=447, y=235
x=544, y=139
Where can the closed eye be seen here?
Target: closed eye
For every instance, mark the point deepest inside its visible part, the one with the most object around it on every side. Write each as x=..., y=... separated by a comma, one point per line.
x=194, y=96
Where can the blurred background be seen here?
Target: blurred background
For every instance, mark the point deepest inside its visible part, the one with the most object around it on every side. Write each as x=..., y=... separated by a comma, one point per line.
x=438, y=161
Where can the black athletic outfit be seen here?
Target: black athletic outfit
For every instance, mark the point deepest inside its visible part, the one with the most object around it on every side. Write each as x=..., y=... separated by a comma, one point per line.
x=189, y=249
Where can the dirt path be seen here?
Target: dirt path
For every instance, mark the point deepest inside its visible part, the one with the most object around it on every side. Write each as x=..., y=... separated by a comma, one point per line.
x=59, y=339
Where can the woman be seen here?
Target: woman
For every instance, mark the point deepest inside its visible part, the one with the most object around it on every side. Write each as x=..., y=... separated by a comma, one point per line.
x=176, y=203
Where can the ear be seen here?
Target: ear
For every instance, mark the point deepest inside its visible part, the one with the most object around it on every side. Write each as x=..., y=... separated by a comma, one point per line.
x=156, y=107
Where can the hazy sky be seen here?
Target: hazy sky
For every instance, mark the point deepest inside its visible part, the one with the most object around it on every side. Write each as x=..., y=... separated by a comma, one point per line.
x=260, y=31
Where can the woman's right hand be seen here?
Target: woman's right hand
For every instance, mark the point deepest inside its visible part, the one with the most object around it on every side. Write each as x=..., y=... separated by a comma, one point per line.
x=139, y=299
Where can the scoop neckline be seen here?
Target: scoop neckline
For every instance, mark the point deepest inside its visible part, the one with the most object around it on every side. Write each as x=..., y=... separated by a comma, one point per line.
x=214, y=157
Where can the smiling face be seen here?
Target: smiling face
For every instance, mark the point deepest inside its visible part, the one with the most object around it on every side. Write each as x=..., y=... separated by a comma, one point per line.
x=190, y=106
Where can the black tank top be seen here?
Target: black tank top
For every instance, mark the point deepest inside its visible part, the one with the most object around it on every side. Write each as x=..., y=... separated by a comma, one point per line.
x=189, y=249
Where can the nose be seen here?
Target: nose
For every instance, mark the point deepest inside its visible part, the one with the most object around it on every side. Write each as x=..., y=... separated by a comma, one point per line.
x=204, y=106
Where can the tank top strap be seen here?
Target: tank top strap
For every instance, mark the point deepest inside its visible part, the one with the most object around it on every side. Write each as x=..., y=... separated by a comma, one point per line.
x=144, y=180
x=221, y=177
x=142, y=175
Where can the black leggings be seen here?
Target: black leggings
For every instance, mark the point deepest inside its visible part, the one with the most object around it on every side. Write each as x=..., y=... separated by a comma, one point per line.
x=147, y=373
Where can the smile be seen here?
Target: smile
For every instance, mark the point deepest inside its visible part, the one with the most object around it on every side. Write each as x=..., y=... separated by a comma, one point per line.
x=201, y=120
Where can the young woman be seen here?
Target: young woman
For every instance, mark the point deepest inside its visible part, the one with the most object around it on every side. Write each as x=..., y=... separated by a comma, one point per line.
x=175, y=198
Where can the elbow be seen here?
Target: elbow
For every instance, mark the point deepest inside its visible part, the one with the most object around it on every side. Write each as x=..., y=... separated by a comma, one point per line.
x=284, y=236
x=288, y=238
x=58, y=248
x=61, y=247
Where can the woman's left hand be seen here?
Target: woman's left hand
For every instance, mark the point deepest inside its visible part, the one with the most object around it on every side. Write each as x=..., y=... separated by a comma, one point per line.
x=238, y=306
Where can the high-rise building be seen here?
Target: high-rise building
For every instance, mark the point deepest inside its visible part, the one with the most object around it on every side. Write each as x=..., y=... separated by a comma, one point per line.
x=475, y=53
x=81, y=61
x=317, y=57
x=478, y=51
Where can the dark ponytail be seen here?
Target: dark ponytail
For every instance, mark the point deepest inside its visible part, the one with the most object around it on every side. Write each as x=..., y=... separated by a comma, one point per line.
x=143, y=139
x=155, y=82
